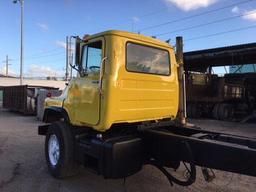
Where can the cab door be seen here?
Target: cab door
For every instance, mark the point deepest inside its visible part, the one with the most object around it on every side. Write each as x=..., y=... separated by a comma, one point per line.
x=87, y=86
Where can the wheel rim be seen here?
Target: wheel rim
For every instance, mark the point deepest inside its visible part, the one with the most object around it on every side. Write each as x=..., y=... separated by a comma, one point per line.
x=53, y=150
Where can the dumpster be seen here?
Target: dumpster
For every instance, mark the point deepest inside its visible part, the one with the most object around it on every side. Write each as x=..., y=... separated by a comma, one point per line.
x=22, y=98
x=1, y=96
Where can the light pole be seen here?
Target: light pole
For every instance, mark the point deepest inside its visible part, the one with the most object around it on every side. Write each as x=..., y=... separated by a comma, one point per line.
x=21, y=37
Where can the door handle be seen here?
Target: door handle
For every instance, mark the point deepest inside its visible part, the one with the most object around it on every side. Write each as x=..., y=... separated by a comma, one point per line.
x=102, y=73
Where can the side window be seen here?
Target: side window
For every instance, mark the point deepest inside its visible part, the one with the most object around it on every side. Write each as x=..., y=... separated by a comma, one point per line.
x=145, y=59
x=92, y=55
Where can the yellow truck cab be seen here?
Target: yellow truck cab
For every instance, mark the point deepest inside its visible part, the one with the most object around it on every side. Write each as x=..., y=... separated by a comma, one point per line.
x=117, y=115
x=122, y=78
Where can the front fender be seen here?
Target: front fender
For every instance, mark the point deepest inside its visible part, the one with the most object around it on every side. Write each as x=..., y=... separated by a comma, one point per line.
x=52, y=114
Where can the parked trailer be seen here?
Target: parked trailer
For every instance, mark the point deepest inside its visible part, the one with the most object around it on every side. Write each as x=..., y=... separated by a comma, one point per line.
x=223, y=98
x=22, y=98
x=202, y=61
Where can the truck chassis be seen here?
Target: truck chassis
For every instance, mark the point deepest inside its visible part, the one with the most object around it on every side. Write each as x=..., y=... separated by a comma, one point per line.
x=122, y=151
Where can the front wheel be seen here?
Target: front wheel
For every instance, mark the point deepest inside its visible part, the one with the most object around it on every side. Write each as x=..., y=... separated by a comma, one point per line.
x=59, y=150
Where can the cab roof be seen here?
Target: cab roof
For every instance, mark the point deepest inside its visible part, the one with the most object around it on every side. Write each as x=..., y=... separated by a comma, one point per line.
x=132, y=36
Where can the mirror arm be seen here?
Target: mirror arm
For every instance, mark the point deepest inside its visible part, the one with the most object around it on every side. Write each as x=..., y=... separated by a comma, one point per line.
x=74, y=67
x=77, y=69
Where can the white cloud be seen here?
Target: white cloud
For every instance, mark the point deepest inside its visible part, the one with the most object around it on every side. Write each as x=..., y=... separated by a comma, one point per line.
x=135, y=19
x=42, y=71
x=235, y=9
x=247, y=15
x=43, y=26
x=188, y=5
x=63, y=45
x=250, y=15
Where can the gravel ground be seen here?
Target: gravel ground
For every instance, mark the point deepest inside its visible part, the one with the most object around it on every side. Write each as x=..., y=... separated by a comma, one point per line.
x=23, y=167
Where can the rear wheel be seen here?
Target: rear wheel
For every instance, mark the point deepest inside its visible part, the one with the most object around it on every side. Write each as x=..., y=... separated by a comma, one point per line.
x=215, y=111
x=59, y=150
x=225, y=111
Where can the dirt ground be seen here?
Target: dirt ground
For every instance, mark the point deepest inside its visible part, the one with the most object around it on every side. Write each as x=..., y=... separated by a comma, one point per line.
x=23, y=167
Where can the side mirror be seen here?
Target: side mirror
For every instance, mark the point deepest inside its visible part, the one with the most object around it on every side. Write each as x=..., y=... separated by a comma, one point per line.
x=78, y=51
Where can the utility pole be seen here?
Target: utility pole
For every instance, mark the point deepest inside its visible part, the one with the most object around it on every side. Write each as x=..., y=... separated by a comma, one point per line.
x=6, y=61
x=21, y=38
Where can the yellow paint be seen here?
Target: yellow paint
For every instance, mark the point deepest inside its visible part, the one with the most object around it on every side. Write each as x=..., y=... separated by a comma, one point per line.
x=126, y=96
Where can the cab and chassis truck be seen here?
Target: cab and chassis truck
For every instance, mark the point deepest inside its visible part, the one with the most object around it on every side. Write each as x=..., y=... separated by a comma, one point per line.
x=126, y=108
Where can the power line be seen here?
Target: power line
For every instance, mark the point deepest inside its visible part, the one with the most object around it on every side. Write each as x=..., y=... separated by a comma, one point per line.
x=193, y=16
x=206, y=24
x=123, y=22
x=49, y=55
x=52, y=61
x=221, y=33
x=44, y=54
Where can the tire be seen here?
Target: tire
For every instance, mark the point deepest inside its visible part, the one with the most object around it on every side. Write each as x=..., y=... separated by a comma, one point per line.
x=59, y=150
x=225, y=111
x=215, y=111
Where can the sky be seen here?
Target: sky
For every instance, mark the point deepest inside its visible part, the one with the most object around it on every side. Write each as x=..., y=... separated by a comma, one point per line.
x=202, y=23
